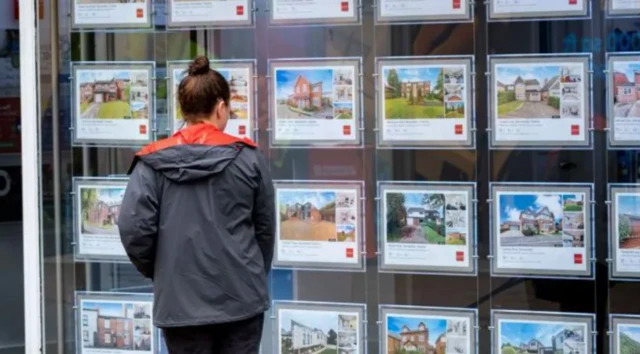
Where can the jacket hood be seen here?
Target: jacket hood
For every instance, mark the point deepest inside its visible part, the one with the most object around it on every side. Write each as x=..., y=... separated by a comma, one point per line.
x=195, y=152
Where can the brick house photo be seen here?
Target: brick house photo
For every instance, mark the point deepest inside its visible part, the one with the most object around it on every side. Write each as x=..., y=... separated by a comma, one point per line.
x=99, y=209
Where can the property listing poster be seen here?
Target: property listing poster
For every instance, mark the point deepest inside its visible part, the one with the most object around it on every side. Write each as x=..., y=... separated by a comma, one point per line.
x=626, y=334
x=315, y=103
x=98, y=203
x=443, y=331
x=624, y=100
x=113, y=104
x=518, y=332
x=425, y=102
x=624, y=7
x=427, y=228
x=111, y=13
x=318, y=225
x=625, y=233
x=313, y=11
x=540, y=102
x=319, y=330
x=115, y=324
x=240, y=79
x=541, y=230
x=209, y=12
x=422, y=10
x=512, y=9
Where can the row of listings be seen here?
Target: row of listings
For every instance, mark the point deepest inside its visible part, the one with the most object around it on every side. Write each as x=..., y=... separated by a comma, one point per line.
x=535, y=101
x=118, y=321
x=537, y=229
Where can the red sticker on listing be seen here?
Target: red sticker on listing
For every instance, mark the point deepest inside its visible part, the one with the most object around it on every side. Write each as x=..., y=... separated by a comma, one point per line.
x=242, y=130
x=460, y=256
x=346, y=130
x=143, y=129
x=239, y=10
x=573, y=2
x=458, y=129
x=457, y=4
x=344, y=6
x=575, y=129
x=140, y=13
x=349, y=252
x=577, y=258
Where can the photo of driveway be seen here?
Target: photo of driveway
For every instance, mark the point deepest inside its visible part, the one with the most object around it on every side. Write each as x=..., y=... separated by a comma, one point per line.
x=516, y=239
x=532, y=110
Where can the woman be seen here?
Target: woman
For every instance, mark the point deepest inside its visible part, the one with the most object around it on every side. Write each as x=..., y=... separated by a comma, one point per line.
x=198, y=219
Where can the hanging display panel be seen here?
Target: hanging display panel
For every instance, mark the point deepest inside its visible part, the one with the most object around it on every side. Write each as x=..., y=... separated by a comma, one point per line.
x=625, y=334
x=317, y=327
x=96, y=208
x=315, y=102
x=240, y=75
x=425, y=102
x=623, y=8
x=408, y=329
x=623, y=99
x=540, y=101
x=319, y=225
x=542, y=230
x=542, y=332
x=113, y=103
x=423, y=11
x=109, y=14
x=210, y=13
x=510, y=10
x=427, y=227
x=624, y=231
x=115, y=323
x=309, y=12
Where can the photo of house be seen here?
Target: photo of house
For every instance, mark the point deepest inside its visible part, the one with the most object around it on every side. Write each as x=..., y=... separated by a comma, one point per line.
x=343, y=110
x=528, y=91
x=113, y=325
x=238, y=80
x=311, y=92
x=628, y=339
x=418, y=92
x=99, y=209
x=312, y=215
x=541, y=338
x=532, y=220
x=628, y=215
x=573, y=202
x=113, y=94
x=416, y=335
x=415, y=217
x=303, y=332
x=626, y=89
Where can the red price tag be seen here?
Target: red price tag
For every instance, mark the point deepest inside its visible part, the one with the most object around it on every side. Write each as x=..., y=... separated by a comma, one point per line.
x=344, y=6
x=349, y=252
x=239, y=10
x=577, y=258
x=573, y=2
x=458, y=129
x=346, y=130
x=460, y=256
x=457, y=4
x=242, y=130
x=575, y=129
x=139, y=13
x=143, y=129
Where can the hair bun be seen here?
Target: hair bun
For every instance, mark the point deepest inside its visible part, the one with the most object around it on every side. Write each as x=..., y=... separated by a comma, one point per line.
x=199, y=66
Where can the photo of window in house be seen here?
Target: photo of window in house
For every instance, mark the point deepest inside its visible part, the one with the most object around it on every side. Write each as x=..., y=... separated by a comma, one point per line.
x=426, y=335
x=302, y=331
x=624, y=100
x=625, y=231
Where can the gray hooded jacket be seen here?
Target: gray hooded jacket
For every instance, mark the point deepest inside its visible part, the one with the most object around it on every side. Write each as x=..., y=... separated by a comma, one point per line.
x=198, y=218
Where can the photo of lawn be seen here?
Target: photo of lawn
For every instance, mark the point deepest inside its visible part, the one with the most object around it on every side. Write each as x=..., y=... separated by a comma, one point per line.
x=528, y=91
x=418, y=92
x=573, y=202
x=418, y=217
x=100, y=209
x=310, y=215
x=317, y=332
x=516, y=337
x=343, y=110
x=113, y=94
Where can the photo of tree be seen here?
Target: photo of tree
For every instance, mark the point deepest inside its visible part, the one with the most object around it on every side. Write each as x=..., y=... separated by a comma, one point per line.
x=628, y=210
x=99, y=209
x=628, y=339
x=317, y=332
x=113, y=94
x=541, y=337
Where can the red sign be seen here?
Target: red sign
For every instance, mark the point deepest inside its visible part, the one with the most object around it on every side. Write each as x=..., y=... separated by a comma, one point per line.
x=242, y=130
x=9, y=125
x=458, y=129
x=573, y=2
x=575, y=129
x=239, y=10
x=349, y=252
x=344, y=6
x=139, y=13
x=460, y=256
x=143, y=129
x=346, y=130
x=456, y=4
x=577, y=258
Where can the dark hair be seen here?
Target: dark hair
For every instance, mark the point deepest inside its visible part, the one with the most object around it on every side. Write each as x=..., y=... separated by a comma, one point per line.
x=201, y=90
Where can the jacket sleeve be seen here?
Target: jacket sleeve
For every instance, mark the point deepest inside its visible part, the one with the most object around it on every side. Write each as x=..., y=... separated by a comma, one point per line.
x=138, y=220
x=264, y=212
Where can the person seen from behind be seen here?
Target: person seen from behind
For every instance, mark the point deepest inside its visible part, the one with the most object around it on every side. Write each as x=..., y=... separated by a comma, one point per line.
x=198, y=219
